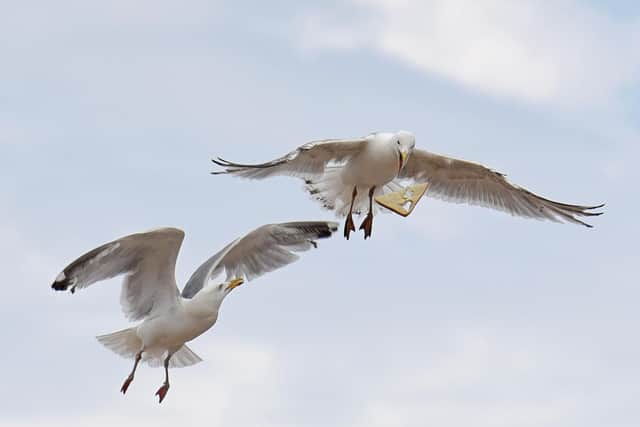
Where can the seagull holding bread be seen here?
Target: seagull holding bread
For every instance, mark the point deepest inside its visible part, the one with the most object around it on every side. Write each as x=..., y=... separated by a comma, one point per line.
x=149, y=293
x=346, y=175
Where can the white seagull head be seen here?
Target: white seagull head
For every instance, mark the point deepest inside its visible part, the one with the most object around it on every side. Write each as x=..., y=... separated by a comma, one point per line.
x=220, y=291
x=406, y=142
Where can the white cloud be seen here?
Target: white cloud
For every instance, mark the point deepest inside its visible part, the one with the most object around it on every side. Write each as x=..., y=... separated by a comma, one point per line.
x=566, y=54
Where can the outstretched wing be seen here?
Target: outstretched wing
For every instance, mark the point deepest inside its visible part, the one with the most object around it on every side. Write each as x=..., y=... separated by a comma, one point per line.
x=460, y=181
x=148, y=260
x=308, y=160
x=264, y=249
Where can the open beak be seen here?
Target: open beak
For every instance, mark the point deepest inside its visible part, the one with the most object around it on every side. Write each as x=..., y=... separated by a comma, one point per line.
x=235, y=283
x=402, y=160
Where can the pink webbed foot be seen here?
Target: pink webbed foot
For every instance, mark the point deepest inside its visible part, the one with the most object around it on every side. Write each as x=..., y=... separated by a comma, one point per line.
x=162, y=392
x=125, y=385
x=367, y=225
x=348, y=226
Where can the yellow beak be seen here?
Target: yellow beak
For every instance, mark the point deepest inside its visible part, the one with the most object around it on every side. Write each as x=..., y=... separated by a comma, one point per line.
x=403, y=159
x=403, y=155
x=234, y=283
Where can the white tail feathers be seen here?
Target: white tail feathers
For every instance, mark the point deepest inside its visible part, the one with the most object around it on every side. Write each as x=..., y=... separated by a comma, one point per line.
x=127, y=344
x=184, y=357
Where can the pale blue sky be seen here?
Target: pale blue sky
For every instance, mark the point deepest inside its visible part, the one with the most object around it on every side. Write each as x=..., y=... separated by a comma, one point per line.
x=457, y=315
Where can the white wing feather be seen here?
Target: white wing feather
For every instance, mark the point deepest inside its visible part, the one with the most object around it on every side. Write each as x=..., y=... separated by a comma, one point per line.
x=264, y=249
x=460, y=181
x=308, y=160
x=148, y=260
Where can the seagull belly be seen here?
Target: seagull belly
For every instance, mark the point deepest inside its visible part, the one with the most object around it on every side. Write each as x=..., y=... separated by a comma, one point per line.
x=375, y=166
x=172, y=330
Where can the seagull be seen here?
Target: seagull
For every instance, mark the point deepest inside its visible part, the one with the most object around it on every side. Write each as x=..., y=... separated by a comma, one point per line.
x=149, y=292
x=346, y=175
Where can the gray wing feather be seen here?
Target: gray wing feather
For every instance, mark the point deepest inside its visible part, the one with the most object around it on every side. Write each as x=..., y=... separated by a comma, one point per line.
x=307, y=160
x=264, y=249
x=460, y=181
x=148, y=261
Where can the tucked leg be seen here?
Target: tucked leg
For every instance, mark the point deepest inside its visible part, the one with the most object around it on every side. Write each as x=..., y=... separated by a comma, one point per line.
x=367, y=224
x=162, y=391
x=129, y=379
x=349, y=226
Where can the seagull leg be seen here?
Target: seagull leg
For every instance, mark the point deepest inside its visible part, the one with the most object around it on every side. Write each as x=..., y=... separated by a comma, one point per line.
x=162, y=391
x=367, y=224
x=129, y=379
x=348, y=224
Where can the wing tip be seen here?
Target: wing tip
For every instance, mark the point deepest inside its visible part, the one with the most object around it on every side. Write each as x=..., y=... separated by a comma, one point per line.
x=62, y=283
x=316, y=229
x=323, y=234
x=222, y=163
x=328, y=229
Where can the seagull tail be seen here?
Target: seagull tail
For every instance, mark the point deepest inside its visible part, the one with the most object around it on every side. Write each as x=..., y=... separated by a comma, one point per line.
x=184, y=357
x=126, y=342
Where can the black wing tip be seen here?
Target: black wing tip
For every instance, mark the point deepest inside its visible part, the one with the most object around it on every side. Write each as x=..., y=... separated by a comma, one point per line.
x=62, y=283
x=319, y=229
x=233, y=167
x=324, y=233
x=327, y=229
x=591, y=214
x=220, y=161
x=57, y=286
x=586, y=224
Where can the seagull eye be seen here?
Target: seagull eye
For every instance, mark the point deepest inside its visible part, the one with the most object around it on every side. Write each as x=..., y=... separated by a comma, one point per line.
x=398, y=141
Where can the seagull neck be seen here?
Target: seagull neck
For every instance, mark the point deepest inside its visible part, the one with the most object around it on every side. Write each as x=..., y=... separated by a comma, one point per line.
x=204, y=303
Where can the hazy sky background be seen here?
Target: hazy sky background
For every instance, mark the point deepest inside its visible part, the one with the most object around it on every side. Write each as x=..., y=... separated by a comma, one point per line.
x=455, y=316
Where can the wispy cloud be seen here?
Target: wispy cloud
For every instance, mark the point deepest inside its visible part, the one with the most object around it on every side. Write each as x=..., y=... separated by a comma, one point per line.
x=566, y=54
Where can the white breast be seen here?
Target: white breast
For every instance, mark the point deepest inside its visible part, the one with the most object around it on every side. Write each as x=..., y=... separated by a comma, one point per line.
x=376, y=165
x=171, y=330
